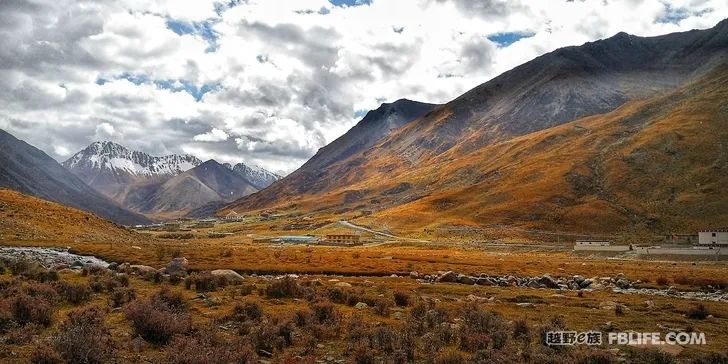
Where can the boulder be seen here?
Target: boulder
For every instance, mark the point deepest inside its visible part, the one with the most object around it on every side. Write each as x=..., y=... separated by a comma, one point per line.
x=229, y=274
x=578, y=279
x=361, y=306
x=113, y=266
x=463, y=279
x=414, y=275
x=547, y=281
x=585, y=283
x=343, y=284
x=525, y=304
x=623, y=283
x=607, y=305
x=448, y=277
x=77, y=264
x=141, y=269
x=177, y=266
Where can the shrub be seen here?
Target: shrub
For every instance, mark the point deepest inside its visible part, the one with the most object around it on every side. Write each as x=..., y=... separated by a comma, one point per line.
x=651, y=356
x=662, y=281
x=620, y=309
x=74, y=293
x=120, y=296
x=42, y=290
x=521, y=330
x=247, y=289
x=45, y=354
x=170, y=298
x=382, y=307
x=84, y=338
x=401, y=298
x=450, y=356
x=206, y=348
x=324, y=312
x=26, y=309
x=270, y=336
x=155, y=321
x=284, y=287
x=698, y=312
x=204, y=282
x=246, y=311
x=21, y=335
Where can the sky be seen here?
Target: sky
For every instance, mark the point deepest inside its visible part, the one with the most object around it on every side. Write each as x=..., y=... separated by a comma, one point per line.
x=269, y=82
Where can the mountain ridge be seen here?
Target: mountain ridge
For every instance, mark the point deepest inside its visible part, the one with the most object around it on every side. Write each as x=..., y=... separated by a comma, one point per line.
x=29, y=170
x=568, y=84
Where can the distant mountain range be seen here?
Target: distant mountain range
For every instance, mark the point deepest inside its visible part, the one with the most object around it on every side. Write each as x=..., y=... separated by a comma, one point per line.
x=163, y=187
x=27, y=169
x=605, y=137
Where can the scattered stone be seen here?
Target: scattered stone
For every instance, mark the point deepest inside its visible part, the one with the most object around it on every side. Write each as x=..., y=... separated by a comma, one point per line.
x=178, y=266
x=463, y=279
x=525, y=304
x=229, y=274
x=607, y=305
x=414, y=275
x=343, y=284
x=141, y=269
x=77, y=264
x=448, y=277
x=650, y=304
x=361, y=306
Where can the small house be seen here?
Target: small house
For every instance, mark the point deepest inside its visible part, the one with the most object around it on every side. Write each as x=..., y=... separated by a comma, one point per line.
x=713, y=237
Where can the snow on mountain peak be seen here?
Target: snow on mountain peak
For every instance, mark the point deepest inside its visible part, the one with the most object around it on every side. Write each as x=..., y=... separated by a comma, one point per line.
x=107, y=155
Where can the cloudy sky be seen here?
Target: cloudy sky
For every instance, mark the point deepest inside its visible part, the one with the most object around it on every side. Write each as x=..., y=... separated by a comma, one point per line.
x=268, y=82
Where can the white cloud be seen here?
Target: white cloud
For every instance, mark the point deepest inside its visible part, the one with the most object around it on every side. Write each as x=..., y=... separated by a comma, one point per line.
x=214, y=135
x=283, y=77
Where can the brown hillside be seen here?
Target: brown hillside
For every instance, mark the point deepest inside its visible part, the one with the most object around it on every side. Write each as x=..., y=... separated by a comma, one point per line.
x=34, y=221
x=654, y=165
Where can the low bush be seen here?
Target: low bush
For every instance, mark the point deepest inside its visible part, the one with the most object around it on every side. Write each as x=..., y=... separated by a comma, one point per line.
x=45, y=354
x=27, y=310
x=84, y=338
x=206, y=348
x=382, y=307
x=401, y=298
x=286, y=287
x=120, y=296
x=157, y=320
x=698, y=312
x=74, y=293
x=245, y=311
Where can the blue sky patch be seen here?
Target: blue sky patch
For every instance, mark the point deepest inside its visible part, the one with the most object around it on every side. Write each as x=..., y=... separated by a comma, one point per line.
x=175, y=85
x=202, y=29
x=360, y=113
x=350, y=2
x=505, y=39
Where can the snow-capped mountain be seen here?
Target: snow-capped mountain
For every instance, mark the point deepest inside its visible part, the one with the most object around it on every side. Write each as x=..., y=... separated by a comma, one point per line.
x=117, y=159
x=257, y=176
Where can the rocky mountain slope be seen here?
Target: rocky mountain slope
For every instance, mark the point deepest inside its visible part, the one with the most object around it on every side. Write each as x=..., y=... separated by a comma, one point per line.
x=259, y=177
x=503, y=152
x=27, y=169
x=207, y=183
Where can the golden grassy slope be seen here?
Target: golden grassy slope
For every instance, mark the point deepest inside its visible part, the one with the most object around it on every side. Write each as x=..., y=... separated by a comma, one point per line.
x=28, y=220
x=651, y=166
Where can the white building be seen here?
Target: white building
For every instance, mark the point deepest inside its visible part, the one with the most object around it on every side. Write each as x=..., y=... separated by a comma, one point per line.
x=713, y=237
